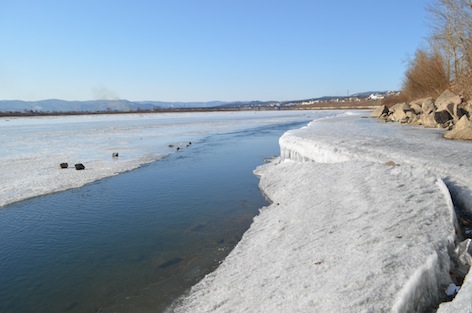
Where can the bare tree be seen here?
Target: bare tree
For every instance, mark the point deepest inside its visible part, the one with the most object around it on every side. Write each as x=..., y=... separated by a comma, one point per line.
x=426, y=76
x=452, y=29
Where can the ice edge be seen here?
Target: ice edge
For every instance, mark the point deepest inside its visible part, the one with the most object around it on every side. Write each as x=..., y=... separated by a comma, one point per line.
x=425, y=289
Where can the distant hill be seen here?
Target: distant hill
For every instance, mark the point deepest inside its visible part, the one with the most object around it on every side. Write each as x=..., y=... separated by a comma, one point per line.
x=178, y=105
x=57, y=105
x=122, y=105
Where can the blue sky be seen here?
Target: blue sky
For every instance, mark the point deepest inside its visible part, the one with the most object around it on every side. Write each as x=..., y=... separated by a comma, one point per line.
x=202, y=50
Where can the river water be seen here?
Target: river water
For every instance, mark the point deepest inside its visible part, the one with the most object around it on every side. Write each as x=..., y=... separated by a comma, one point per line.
x=136, y=241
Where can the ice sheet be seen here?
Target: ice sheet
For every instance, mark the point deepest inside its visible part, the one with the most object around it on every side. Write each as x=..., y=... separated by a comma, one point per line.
x=344, y=233
x=348, y=232
x=348, y=237
x=32, y=148
x=352, y=137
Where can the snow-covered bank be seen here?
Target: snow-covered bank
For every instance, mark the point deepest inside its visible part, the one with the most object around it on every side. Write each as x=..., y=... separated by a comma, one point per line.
x=351, y=231
x=354, y=137
x=33, y=147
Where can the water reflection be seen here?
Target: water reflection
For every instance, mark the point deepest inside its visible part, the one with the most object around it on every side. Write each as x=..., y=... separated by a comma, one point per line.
x=134, y=242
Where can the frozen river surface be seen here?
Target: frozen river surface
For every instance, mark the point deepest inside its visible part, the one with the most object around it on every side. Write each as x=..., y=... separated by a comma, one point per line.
x=34, y=147
x=133, y=242
x=362, y=220
x=363, y=217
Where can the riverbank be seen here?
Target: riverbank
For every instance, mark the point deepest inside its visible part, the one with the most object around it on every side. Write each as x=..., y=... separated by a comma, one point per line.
x=135, y=242
x=362, y=220
x=34, y=147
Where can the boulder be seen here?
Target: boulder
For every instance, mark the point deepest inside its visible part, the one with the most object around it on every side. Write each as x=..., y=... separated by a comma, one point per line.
x=412, y=117
x=79, y=166
x=379, y=111
x=460, y=111
x=462, y=130
x=454, y=109
x=405, y=107
x=447, y=106
x=399, y=116
x=428, y=106
x=416, y=108
x=468, y=107
x=447, y=97
x=427, y=120
x=442, y=117
x=445, y=112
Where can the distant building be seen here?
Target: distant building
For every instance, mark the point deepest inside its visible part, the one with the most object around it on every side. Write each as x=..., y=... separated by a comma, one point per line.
x=376, y=96
x=309, y=102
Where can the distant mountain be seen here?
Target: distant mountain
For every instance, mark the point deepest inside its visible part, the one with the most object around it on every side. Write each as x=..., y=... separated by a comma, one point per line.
x=122, y=105
x=248, y=104
x=57, y=105
x=179, y=105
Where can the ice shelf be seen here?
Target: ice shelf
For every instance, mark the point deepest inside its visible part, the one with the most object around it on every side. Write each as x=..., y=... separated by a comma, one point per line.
x=361, y=220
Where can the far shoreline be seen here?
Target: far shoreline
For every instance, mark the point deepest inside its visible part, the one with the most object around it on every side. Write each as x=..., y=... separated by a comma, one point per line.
x=358, y=105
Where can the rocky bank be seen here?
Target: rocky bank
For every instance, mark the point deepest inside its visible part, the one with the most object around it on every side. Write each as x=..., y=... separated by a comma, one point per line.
x=448, y=111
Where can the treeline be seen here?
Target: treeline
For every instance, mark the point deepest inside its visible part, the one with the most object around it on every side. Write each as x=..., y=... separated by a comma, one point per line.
x=447, y=61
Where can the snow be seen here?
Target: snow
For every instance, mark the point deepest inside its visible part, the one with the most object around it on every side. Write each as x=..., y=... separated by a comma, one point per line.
x=361, y=220
x=33, y=147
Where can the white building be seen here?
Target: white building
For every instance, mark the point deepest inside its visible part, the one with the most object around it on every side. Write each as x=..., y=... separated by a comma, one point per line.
x=376, y=96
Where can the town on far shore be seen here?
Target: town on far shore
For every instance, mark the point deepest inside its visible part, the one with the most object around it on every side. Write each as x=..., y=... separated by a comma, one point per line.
x=364, y=100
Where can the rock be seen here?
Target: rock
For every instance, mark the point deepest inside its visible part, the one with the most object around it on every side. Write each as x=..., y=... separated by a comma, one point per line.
x=412, y=117
x=399, y=116
x=398, y=112
x=64, y=165
x=79, y=166
x=445, y=112
x=460, y=111
x=457, y=100
x=442, y=117
x=416, y=108
x=468, y=107
x=379, y=111
x=427, y=120
x=428, y=106
x=447, y=97
x=400, y=106
x=453, y=109
x=449, y=107
x=462, y=130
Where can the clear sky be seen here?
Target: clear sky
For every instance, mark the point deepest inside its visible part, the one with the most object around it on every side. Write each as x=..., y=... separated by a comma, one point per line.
x=202, y=50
